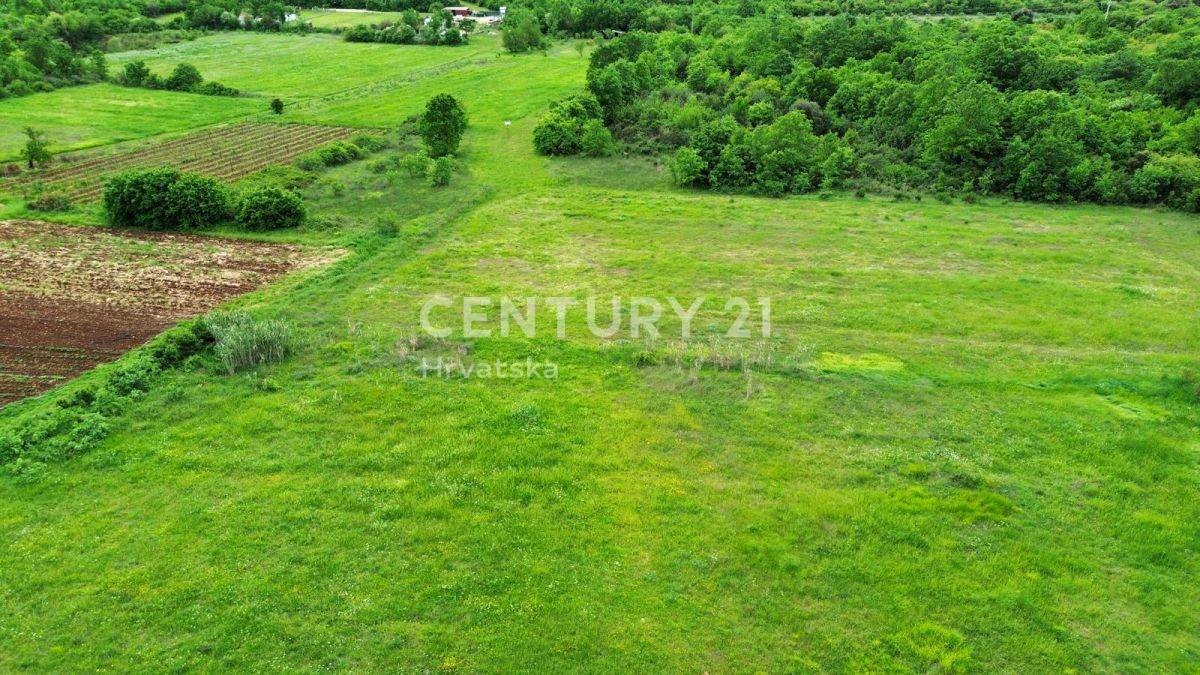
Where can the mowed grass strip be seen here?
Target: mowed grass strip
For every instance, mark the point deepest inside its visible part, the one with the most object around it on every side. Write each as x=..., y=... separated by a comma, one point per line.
x=335, y=19
x=493, y=90
x=301, y=66
x=74, y=118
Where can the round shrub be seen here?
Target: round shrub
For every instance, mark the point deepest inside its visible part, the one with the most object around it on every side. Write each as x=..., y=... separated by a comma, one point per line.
x=597, y=140
x=557, y=134
x=270, y=208
x=164, y=199
x=195, y=201
x=185, y=77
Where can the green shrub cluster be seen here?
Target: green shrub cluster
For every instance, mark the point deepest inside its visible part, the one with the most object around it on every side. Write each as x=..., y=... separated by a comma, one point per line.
x=440, y=29
x=437, y=171
x=43, y=46
x=244, y=342
x=440, y=171
x=573, y=126
x=369, y=143
x=1081, y=110
x=165, y=199
x=396, y=34
x=522, y=32
x=339, y=152
x=49, y=201
x=416, y=164
x=185, y=77
x=79, y=420
x=270, y=208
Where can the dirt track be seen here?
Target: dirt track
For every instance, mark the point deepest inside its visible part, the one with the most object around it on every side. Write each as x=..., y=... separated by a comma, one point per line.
x=75, y=297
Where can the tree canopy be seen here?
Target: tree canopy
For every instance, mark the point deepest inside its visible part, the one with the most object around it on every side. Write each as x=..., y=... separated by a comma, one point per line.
x=442, y=125
x=1066, y=108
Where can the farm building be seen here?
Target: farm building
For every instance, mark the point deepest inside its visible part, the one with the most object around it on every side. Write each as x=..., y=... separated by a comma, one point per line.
x=459, y=12
x=490, y=18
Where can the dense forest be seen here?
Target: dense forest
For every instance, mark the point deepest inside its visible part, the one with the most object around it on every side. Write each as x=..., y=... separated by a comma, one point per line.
x=1083, y=108
x=50, y=43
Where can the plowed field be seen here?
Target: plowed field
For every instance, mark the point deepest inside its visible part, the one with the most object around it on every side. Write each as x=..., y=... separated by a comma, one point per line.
x=72, y=298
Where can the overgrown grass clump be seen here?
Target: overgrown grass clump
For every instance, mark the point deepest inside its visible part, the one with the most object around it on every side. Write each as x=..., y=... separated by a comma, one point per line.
x=244, y=342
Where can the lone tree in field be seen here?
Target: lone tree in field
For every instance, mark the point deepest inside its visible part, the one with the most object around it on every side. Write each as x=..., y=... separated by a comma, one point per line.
x=36, y=151
x=277, y=106
x=442, y=125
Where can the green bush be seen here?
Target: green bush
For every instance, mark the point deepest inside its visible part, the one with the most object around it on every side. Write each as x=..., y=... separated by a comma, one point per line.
x=522, y=32
x=135, y=74
x=51, y=201
x=368, y=143
x=687, y=168
x=557, y=134
x=334, y=154
x=597, y=140
x=244, y=342
x=270, y=208
x=1168, y=180
x=417, y=164
x=185, y=77
x=573, y=125
x=165, y=199
x=440, y=171
x=215, y=89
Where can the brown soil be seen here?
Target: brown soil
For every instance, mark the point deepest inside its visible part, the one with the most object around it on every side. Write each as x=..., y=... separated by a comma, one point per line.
x=72, y=298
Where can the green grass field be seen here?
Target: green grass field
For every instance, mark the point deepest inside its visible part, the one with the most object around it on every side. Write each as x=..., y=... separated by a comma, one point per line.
x=99, y=114
x=301, y=67
x=311, y=73
x=329, y=19
x=970, y=443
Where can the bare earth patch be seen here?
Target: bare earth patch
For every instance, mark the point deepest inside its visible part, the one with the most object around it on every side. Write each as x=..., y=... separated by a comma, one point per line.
x=74, y=297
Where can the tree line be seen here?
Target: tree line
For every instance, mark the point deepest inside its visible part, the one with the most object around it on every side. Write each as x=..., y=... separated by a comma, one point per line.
x=1092, y=107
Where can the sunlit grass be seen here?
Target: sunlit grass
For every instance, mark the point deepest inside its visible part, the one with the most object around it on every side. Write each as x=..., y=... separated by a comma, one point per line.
x=969, y=443
x=99, y=114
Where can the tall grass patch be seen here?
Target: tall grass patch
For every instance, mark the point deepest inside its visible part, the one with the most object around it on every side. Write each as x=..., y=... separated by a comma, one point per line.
x=244, y=342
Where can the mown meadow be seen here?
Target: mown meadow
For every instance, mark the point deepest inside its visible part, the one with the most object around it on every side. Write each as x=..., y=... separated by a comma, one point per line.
x=334, y=20
x=969, y=443
x=100, y=114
